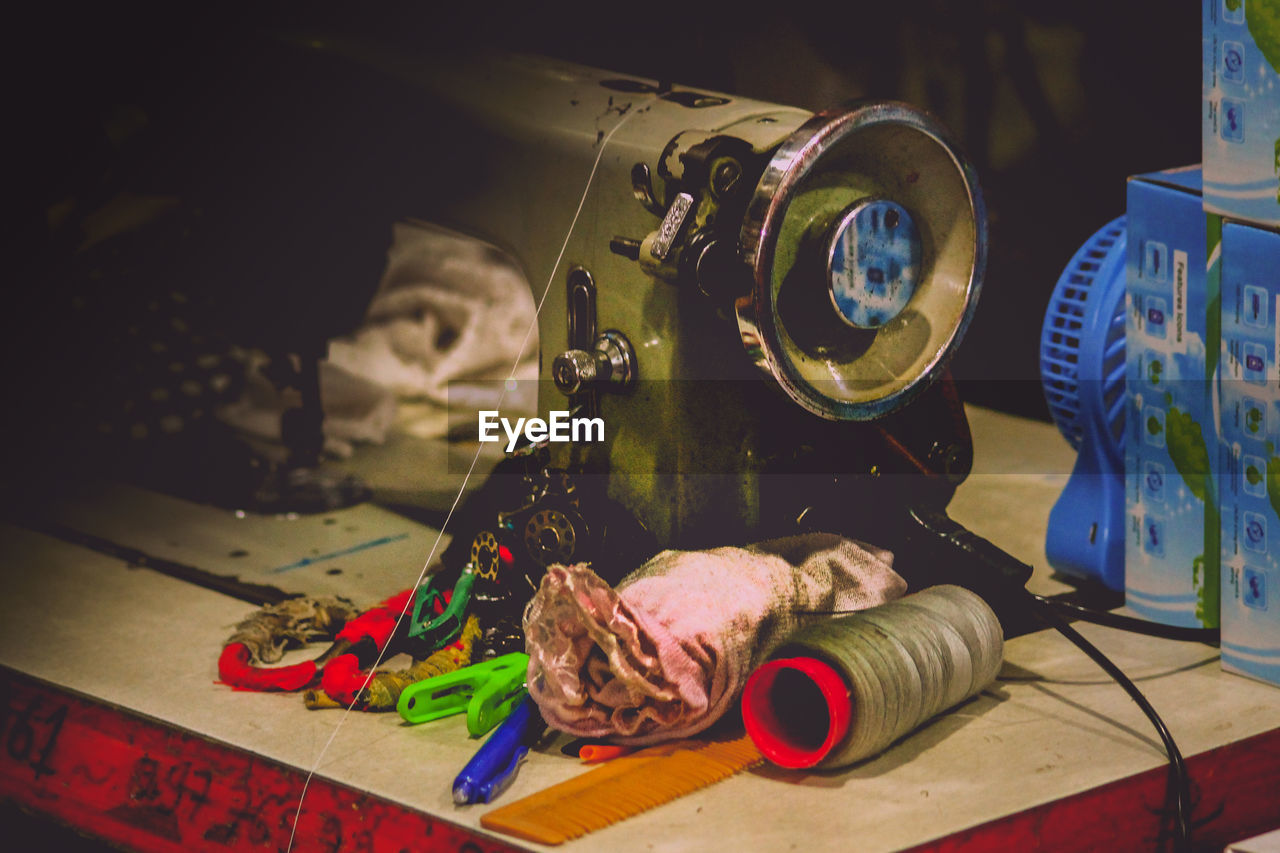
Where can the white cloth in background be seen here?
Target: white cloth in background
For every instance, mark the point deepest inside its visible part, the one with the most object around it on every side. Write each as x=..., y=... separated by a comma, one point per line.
x=451, y=318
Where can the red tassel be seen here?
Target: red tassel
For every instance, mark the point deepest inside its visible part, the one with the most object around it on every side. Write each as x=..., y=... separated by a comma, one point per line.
x=379, y=622
x=342, y=679
x=234, y=669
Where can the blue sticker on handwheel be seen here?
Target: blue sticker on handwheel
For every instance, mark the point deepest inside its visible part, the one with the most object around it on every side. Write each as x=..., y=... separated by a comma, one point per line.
x=875, y=263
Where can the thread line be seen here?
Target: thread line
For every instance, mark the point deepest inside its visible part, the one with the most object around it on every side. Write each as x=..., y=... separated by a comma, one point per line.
x=625, y=114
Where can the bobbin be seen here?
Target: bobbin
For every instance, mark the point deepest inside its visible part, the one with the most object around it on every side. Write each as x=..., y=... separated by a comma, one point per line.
x=899, y=664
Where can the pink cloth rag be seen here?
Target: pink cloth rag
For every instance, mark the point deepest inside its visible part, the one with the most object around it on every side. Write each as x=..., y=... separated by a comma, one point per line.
x=667, y=653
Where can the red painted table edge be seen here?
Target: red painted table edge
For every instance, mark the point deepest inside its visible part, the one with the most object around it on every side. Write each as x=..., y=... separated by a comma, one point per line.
x=248, y=802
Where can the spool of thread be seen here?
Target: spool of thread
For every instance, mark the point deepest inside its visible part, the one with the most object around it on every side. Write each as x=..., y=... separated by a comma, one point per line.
x=844, y=689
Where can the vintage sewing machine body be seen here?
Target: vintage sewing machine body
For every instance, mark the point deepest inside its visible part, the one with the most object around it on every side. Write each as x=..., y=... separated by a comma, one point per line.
x=680, y=242
x=759, y=302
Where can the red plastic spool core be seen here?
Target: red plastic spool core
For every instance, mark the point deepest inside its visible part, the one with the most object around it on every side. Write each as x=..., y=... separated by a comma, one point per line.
x=781, y=723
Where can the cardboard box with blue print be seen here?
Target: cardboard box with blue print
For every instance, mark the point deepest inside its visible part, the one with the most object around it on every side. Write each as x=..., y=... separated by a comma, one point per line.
x=1241, y=109
x=1172, y=542
x=1249, y=474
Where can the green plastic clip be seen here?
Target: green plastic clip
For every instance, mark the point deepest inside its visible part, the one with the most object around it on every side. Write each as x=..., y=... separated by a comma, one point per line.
x=487, y=691
x=428, y=633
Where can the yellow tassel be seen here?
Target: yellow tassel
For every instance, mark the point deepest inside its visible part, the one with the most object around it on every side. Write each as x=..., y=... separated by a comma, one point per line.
x=383, y=690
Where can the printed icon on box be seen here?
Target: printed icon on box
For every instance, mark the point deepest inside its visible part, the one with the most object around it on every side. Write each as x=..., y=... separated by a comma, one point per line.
x=1153, y=480
x=1255, y=363
x=1233, y=11
x=1255, y=476
x=1153, y=426
x=1155, y=369
x=1157, y=314
x=1255, y=417
x=1253, y=591
x=1232, y=124
x=1254, y=310
x=1254, y=532
x=1153, y=536
x=1232, y=61
x=1155, y=261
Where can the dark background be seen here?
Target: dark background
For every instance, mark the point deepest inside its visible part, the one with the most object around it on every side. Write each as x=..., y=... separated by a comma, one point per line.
x=283, y=169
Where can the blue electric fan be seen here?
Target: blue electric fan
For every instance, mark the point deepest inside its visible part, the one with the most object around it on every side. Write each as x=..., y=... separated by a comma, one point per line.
x=1082, y=369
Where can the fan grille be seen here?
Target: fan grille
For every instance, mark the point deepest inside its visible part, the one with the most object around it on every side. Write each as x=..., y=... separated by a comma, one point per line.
x=1092, y=282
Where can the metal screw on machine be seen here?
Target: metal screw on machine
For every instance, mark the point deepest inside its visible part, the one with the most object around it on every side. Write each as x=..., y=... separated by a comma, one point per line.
x=610, y=365
x=724, y=176
x=626, y=247
x=954, y=460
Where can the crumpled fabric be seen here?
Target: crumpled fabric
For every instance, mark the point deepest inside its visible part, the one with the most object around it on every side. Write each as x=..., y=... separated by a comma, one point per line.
x=451, y=319
x=665, y=654
x=292, y=623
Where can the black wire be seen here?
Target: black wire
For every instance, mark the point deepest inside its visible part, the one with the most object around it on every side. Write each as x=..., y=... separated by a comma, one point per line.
x=1069, y=610
x=1180, y=779
x=1008, y=569
x=1054, y=613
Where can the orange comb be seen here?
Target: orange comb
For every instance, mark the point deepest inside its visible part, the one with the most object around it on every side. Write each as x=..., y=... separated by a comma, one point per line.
x=621, y=788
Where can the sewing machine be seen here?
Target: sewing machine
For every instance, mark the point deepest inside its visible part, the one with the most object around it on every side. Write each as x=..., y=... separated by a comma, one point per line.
x=757, y=301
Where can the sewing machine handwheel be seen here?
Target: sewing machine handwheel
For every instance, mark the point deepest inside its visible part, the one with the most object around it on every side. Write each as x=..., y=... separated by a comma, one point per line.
x=867, y=241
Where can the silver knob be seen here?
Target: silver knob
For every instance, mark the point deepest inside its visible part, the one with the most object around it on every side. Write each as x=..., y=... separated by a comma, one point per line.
x=611, y=365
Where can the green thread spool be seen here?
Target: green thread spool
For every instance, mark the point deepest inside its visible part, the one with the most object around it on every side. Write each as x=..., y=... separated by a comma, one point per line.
x=845, y=689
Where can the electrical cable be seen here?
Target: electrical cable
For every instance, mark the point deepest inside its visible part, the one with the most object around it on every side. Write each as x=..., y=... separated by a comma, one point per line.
x=1180, y=779
x=1120, y=622
x=1005, y=568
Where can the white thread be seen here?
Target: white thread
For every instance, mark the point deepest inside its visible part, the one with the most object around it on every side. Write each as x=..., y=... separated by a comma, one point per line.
x=625, y=114
x=904, y=663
